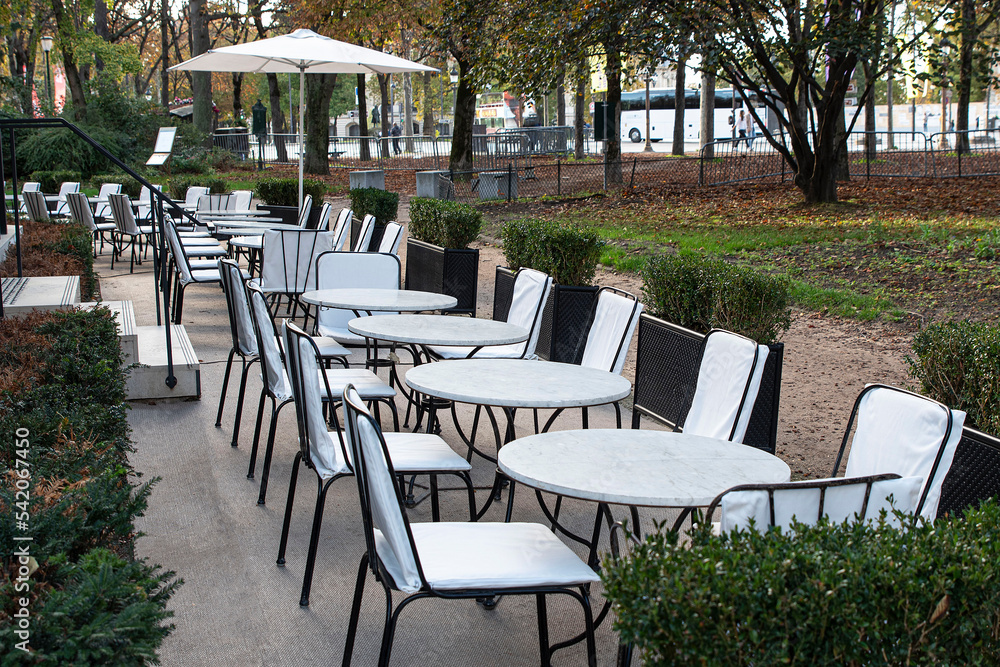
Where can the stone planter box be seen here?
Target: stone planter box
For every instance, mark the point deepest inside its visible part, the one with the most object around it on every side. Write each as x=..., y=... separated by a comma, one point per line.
x=565, y=320
x=666, y=372
x=374, y=178
x=427, y=183
x=451, y=271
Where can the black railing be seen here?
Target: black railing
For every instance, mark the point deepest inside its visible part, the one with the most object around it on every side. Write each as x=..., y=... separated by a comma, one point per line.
x=160, y=200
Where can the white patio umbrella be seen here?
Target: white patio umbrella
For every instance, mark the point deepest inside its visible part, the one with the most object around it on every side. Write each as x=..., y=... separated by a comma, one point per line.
x=302, y=51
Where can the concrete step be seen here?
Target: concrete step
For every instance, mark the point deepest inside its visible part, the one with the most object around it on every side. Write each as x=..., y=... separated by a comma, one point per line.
x=147, y=381
x=125, y=318
x=23, y=295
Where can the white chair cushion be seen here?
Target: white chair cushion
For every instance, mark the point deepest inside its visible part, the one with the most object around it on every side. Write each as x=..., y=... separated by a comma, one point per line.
x=104, y=226
x=198, y=241
x=722, y=378
x=420, y=452
x=203, y=264
x=616, y=316
x=205, y=276
x=842, y=503
x=193, y=235
x=488, y=557
x=901, y=433
x=369, y=385
x=512, y=351
x=329, y=347
x=338, y=334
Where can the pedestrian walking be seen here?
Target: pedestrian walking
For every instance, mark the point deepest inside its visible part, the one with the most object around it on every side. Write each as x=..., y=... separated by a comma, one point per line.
x=751, y=132
x=741, y=127
x=396, y=132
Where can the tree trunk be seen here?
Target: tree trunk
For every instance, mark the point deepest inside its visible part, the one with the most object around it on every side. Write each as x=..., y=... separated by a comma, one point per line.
x=871, y=139
x=101, y=28
x=383, y=91
x=237, y=96
x=579, y=113
x=165, y=61
x=201, y=82
x=277, y=117
x=66, y=40
x=365, y=153
x=428, y=106
x=965, y=53
x=707, y=124
x=407, y=96
x=680, y=106
x=465, y=113
x=613, y=145
x=319, y=90
x=561, y=100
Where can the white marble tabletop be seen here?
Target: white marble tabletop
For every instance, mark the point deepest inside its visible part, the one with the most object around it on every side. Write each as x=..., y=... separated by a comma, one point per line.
x=634, y=467
x=251, y=242
x=256, y=224
x=371, y=299
x=438, y=330
x=518, y=383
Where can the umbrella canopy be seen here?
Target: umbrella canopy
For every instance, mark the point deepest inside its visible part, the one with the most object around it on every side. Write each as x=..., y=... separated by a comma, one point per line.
x=302, y=51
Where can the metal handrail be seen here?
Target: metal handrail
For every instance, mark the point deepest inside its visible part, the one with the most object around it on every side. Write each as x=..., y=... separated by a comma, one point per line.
x=160, y=278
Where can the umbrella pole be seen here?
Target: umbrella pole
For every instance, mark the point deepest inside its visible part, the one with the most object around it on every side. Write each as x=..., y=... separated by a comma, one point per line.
x=302, y=97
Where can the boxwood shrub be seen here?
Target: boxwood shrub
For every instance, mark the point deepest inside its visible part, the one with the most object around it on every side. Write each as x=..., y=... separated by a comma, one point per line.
x=285, y=191
x=448, y=224
x=90, y=601
x=50, y=181
x=847, y=594
x=130, y=186
x=958, y=363
x=383, y=205
x=178, y=186
x=567, y=254
x=702, y=293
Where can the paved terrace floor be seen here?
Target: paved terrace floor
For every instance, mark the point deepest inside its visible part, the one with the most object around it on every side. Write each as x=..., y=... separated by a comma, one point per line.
x=236, y=606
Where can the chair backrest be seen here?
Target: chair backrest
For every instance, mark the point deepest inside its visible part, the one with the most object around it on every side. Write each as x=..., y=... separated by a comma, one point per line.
x=121, y=211
x=35, y=206
x=177, y=252
x=365, y=235
x=905, y=433
x=342, y=231
x=323, y=224
x=289, y=259
x=531, y=291
x=304, y=211
x=194, y=195
x=103, y=208
x=79, y=210
x=146, y=201
x=839, y=500
x=66, y=187
x=727, y=386
x=391, y=237
x=213, y=202
x=336, y=270
x=269, y=348
x=612, y=326
x=240, y=200
x=381, y=502
x=309, y=384
x=31, y=186
x=974, y=475
x=240, y=319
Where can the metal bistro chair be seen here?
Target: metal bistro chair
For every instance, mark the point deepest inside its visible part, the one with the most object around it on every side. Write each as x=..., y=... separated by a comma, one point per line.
x=35, y=206
x=323, y=223
x=102, y=209
x=342, y=230
x=974, y=474
x=304, y=212
x=338, y=270
x=900, y=432
x=79, y=208
x=28, y=186
x=365, y=234
x=244, y=339
x=288, y=263
x=391, y=237
x=450, y=560
x=328, y=455
x=184, y=273
x=126, y=227
x=62, y=207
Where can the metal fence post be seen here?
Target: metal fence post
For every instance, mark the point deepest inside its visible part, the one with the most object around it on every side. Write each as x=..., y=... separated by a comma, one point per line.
x=631, y=180
x=17, y=202
x=509, y=174
x=558, y=177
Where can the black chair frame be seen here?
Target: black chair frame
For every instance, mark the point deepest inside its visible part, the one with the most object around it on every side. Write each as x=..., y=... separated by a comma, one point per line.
x=234, y=291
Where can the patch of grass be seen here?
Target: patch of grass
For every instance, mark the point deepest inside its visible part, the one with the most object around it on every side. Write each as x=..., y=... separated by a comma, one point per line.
x=841, y=302
x=620, y=259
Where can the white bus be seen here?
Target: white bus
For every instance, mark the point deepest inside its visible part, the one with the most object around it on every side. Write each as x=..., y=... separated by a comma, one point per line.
x=661, y=115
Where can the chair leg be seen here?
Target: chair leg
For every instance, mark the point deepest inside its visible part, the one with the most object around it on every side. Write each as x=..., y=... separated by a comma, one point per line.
x=618, y=415
x=225, y=386
x=283, y=543
x=314, y=539
x=352, y=625
x=179, y=308
x=238, y=419
x=256, y=432
x=543, y=630
x=266, y=471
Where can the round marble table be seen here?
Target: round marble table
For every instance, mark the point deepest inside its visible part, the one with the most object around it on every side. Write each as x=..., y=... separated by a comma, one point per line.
x=374, y=300
x=251, y=242
x=633, y=467
x=518, y=383
x=438, y=330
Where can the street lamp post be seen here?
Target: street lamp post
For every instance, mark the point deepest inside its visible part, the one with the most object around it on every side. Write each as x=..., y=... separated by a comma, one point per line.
x=46, y=47
x=649, y=146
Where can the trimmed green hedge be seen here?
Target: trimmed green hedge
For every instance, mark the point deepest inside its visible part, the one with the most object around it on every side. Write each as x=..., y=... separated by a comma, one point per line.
x=567, y=254
x=178, y=186
x=89, y=601
x=448, y=224
x=50, y=181
x=285, y=191
x=383, y=205
x=958, y=363
x=702, y=293
x=847, y=594
x=130, y=186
